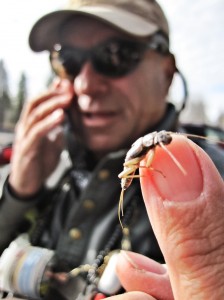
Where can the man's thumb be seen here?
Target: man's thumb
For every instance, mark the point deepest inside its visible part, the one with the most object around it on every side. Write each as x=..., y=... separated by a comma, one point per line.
x=186, y=208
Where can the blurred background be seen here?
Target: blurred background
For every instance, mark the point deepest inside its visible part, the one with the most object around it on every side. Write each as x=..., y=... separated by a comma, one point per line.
x=197, y=31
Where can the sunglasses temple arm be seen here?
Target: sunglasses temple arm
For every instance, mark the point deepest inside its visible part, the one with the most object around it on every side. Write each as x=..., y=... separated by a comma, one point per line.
x=185, y=89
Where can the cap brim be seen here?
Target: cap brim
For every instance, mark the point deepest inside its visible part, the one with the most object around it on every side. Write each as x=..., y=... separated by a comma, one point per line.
x=44, y=34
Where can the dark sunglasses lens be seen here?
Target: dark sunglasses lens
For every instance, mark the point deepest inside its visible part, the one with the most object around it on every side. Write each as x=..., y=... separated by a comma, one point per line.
x=67, y=61
x=117, y=58
x=72, y=60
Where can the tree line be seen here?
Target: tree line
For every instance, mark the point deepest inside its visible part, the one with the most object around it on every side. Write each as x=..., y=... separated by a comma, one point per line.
x=11, y=106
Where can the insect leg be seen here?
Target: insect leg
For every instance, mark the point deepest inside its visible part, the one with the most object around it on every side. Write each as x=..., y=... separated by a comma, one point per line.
x=150, y=157
x=120, y=207
x=126, y=173
x=134, y=161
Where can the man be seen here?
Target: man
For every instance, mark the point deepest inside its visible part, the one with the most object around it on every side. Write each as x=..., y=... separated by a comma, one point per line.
x=114, y=72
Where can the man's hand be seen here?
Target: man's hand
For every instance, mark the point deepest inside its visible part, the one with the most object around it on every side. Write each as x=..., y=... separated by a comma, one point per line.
x=35, y=151
x=187, y=215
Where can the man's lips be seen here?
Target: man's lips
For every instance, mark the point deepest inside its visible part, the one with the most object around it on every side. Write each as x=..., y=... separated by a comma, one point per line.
x=98, y=119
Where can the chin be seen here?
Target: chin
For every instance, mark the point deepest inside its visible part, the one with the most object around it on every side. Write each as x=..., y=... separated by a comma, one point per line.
x=102, y=145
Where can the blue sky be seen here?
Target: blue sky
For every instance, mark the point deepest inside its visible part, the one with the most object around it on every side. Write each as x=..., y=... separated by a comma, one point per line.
x=197, y=31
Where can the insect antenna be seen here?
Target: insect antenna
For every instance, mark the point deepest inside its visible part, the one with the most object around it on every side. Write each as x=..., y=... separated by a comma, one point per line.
x=177, y=163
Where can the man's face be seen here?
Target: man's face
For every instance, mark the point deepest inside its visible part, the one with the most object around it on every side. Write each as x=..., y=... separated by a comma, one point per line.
x=115, y=111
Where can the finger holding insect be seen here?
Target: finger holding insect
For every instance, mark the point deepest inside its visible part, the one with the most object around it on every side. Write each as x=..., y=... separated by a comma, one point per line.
x=145, y=147
x=186, y=212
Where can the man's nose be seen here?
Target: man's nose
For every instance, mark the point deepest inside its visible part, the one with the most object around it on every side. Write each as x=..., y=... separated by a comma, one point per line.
x=89, y=82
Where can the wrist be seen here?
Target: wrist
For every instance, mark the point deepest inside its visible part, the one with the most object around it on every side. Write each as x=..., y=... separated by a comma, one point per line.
x=25, y=196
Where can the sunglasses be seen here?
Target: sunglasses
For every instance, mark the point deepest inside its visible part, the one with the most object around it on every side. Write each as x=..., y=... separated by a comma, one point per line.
x=113, y=58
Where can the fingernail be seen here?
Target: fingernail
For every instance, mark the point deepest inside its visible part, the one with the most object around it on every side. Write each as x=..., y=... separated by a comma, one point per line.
x=171, y=182
x=143, y=263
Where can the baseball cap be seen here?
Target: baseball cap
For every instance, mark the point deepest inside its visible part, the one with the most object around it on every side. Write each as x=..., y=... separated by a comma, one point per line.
x=138, y=18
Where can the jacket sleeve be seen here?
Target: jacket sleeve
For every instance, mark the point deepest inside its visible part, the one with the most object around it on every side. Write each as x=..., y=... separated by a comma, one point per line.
x=12, y=214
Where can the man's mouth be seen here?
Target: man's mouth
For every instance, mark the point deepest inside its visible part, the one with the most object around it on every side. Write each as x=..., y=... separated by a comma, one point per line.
x=98, y=119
